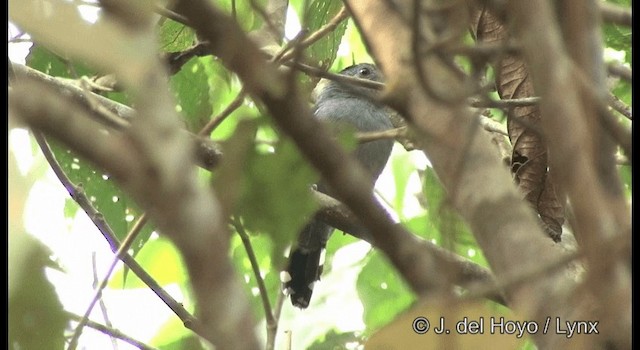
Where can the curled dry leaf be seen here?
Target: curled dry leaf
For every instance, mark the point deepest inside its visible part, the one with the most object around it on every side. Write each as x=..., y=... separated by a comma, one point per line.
x=529, y=163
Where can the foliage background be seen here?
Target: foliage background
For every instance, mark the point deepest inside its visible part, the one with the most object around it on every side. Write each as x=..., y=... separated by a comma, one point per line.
x=360, y=291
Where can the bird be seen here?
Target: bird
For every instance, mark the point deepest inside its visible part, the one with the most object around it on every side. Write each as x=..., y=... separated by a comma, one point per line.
x=338, y=104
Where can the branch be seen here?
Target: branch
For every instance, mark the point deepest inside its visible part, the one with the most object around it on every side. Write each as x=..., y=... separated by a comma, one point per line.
x=465, y=273
x=79, y=196
x=126, y=244
x=264, y=294
x=317, y=35
x=162, y=180
x=620, y=106
x=292, y=115
x=207, y=152
x=345, y=79
x=478, y=185
x=571, y=85
x=620, y=70
x=112, y=332
x=333, y=212
x=615, y=14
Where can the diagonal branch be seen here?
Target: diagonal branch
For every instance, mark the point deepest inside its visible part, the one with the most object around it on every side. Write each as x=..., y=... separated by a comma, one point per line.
x=161, y=179
x=291, y=113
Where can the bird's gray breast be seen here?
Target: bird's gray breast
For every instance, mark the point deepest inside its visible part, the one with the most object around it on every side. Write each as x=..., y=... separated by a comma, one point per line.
x=364, y=116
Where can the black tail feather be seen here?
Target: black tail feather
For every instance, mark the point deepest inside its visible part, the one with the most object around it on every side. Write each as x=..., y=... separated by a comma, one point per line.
x=304, y=270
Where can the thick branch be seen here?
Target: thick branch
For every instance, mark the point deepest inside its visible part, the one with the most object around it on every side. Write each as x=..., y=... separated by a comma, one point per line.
x=111, y=113
x=153, y=161
x=479, y=186
x=578, y=145
x=466, y=273
x=291, y=113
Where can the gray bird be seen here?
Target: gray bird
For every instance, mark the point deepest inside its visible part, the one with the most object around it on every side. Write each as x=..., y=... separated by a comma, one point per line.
x=338, y=104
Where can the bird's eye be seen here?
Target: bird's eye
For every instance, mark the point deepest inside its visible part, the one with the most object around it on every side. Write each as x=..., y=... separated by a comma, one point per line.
x=364, y=72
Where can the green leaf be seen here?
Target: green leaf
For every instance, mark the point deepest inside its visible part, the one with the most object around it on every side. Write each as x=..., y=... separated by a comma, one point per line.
x=618, y=38
x=47, y=62
x=116, y=208
x=191, y=88
x=36, y=317
x=323, y=52
x=161, y=260
x=625, y=176
x=70, y=208
x=453, y=231
x=401, y=167
x=383, y=293
x=106, y=197
x=421, y=226
x=223, y=89
x=175, y=37
x=276, y=197
x=338, y=240
x=243, y=13
x=262, y=247
x=357, y=51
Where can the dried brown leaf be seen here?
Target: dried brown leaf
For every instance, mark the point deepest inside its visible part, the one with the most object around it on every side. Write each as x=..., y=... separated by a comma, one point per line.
x=529, y=159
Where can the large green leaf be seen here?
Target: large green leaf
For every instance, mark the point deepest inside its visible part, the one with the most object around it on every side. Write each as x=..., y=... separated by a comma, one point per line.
x=323, y=52
x=402, y=168
x=175, y=37
x=454, y=232
x=117, y=209
x=383, y=293
x=357, y=51
x=275, y=193
x=267, y=190
x=49, y=63
x=36, y=317
x=262, y=247
x=191, y=88
x=618, y=38
x=160, y=258
x=243, y=13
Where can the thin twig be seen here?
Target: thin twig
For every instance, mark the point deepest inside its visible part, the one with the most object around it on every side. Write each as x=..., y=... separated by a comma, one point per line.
x=176, y=60
x=246, y=241
x=272, y=328
x=78, y=195
x=111, y=113
x=619, y=106
x=112, y=332
x=218, y=119
x=506, y=103
x=163, y=11
x=318, y=72
x=284, y=55
x=364, y=137
x=493, y=126
x=93, y=86
x=276, y=32
x=124, y=247
x=320, y=33
x=97, y=107
x=103, y=307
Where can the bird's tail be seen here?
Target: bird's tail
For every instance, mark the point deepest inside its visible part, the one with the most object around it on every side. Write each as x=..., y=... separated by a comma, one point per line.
x=306, y=263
